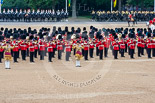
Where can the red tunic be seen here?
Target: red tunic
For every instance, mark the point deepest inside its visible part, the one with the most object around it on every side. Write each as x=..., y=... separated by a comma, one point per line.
x=16, y=48
x=50, y=48
x=41, y=46
x=23, y=46
x=91, y=46
x=86, y=47
x=59, y=47
x=149, y=44
x=101, y=46
x=68, y=48
x=115, y=46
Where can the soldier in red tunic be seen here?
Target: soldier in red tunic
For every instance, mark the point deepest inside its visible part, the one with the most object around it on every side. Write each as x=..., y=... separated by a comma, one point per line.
x=68, y=51
x=132, y=48
x=149, y=45
x=35, y=49
x=122, y=46
x=50, y=51
x=23, y=47
x=86, y=48
x=59, y=48
x=101, y=48
x=115, y=48
x=106, y=46
x=139, y=46
x=42, y=50
x=31, y=49
x=15, y=52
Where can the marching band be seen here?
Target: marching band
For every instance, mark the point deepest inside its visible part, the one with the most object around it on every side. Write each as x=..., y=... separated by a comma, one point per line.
x=31, y=43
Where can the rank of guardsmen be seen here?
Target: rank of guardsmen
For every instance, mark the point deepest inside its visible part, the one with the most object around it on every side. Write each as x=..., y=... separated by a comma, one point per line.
x=30, y=44
x=33, y=16
x=122, y=16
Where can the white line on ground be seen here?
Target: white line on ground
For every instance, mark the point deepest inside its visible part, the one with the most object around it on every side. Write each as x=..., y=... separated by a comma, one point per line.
x=138, y=60
x=73, y=96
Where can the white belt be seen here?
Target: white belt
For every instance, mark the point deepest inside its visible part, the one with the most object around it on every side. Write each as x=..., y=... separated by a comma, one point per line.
x=122, y=44
x=42, y=45
x=132, y=44
x=23, y=45
x=115, y=45
x=50, y=47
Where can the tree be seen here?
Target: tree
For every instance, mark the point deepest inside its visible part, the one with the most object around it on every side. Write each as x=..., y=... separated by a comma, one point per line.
x=120, y=5
x=74, y=9
x=141, y=3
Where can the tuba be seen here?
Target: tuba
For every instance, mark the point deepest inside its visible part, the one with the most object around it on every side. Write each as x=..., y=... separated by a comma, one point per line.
x=57, y=37
x=73, y=36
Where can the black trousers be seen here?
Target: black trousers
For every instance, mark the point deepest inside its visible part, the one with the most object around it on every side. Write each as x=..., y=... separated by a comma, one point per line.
x=131, y=53
x=54, y=49
x=129, y=50
x=45, y=51
x=122, y=52
x=126, y=47
x=83, y=52
x=67, y=56
x=18, y=54
x=35, y=53
x=86, y=54
x=91, y=51
x=74, y=52
x=50, y=54
x=97, y=51
x=63, y=48
x=27, y=53
x=142, y=51
x=1, y=57
x=115, y=54
x=15, y=56
x=59, y=54
x=3, y=54
x=149, y=52
x=31, y=56
x=101, y=54
x=23, y=52
x=105, y=52
x=153, y=52
x=139, y=51
x=42, y=54
x=12, y=53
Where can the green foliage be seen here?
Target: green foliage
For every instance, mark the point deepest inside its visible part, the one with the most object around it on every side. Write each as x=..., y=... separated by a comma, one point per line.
x=15, y=4
x=145, y=3
x=59, y=4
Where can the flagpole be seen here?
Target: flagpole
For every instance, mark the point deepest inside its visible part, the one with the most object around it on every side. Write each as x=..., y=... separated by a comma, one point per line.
x=111, y=5
x=0, y=6
x=154, y=5
x=66, y=7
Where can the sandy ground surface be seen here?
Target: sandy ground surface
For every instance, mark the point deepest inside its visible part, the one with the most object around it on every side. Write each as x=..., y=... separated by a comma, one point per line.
x=97, y=81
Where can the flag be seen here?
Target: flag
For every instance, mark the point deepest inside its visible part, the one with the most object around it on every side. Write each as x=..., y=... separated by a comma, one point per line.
x=115, y=3
x=69, y=4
